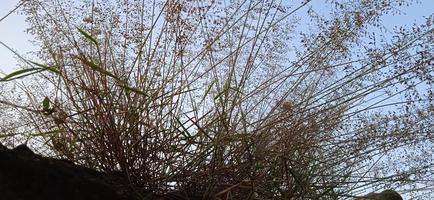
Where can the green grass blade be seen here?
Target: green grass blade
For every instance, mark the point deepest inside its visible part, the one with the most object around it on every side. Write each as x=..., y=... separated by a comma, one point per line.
x=185, y=132
x=21, y=73
x=55, y=131
x=222, y=92
x=87, y=35
x=46, y=103
x=207, y=91
x=122, y=83
x=136, y=90
x=48, y=68
x=95, y=67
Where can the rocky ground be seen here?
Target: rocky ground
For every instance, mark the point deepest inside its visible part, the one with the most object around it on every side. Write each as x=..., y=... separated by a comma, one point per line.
x=25, y=175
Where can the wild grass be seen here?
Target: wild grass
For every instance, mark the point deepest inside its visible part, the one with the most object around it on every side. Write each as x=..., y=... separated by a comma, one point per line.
x=202, y=96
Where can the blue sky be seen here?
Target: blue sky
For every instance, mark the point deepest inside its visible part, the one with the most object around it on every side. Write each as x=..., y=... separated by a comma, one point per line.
x=12, y=33
x=12, y=28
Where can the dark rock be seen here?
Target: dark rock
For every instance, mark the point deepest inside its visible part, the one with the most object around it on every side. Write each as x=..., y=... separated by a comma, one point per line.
x=25, y=175
x=28, y=176
x=384, y=195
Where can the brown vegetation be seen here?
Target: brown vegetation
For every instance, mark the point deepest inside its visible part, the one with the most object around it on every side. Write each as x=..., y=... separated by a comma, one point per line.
x=227, y=99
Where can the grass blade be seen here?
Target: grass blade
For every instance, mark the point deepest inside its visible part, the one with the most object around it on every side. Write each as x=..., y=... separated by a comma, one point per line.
x=87, y=35
x=48, y=68
x=21, y=73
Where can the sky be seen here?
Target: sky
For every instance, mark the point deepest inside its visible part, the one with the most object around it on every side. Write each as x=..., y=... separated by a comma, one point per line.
x=12, y=33
x=12, y=29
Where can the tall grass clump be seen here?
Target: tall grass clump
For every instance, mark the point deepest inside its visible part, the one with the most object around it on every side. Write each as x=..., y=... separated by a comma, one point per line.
x=228, y=99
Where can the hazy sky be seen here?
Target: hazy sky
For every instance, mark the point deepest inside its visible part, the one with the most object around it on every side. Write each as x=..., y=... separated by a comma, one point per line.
x=12, y=33
x=12, y=29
